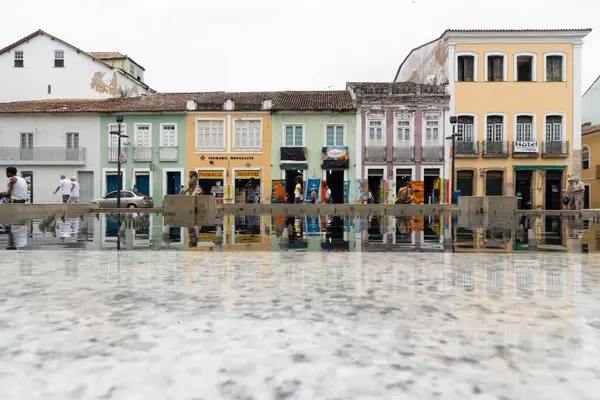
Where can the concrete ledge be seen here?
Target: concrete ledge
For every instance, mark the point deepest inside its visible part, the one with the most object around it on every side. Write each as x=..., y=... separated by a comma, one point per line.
x=16, y=212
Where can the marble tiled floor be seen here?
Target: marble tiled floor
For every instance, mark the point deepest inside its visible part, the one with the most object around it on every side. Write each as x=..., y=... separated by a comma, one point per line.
x=176, y=325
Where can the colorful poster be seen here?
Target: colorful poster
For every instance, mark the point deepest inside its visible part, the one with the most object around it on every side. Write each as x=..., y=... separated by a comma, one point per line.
x=313, y=226
x=346, y=192
x=312, y=184
x=362, y=191
x=418, y=192
x=278, y=193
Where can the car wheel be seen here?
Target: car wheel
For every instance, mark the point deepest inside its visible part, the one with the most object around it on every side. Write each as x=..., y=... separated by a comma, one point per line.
x=131, y=206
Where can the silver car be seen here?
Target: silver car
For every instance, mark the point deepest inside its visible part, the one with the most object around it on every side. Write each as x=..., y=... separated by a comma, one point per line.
x=129, y=199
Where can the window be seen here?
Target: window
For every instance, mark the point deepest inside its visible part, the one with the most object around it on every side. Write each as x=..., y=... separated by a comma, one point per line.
x=432, y=131
x=524, y=131
x=553, y=128
x=403, y=129
x=19, y=60
x=168, y=135
x=525, y=67
x=464, y=128
x=248, y=134
x=495, y=68
x=555, y=68
x=210, y=134
x=335, y=135
x=376, y=133
x=585, y=158
x=72, y=140
x=143, y=135
x=59, y=59
x=27, y=140
x=494, y=130
x=294, y=136
x=113, y=140
x=132, y=69
x=49, y=89
x=466, y=68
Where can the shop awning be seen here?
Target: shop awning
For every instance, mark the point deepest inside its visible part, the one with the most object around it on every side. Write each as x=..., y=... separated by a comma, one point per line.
x=536, y=167
x=294, y=166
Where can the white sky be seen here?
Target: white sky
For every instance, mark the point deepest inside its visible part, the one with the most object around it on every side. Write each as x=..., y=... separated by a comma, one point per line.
x=242, y=45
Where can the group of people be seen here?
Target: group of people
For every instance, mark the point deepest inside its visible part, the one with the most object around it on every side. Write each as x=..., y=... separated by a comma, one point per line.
x=194, y=189
x=69, y=189
x=573, y=197
x=313, y=196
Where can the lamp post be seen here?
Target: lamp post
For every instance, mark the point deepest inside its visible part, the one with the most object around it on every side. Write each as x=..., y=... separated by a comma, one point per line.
x=453, y=121
x=119, y=177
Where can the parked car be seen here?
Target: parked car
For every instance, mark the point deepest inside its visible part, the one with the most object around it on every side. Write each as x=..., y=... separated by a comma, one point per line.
x=129, y=199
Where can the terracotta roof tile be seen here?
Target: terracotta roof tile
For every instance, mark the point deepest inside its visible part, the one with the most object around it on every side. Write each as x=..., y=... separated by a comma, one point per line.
x=590, y=130
x=106, y=55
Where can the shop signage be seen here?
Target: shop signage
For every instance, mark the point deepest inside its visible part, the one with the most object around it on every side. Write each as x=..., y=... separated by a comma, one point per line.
x=526, y=147
x=247, y=174
x=335, y=153
x=211, y=174
x=206, y=237
x=335, y=157
x=239, y=239
x=234, y=158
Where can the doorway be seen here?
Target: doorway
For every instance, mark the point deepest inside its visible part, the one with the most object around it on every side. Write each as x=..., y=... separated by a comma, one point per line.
x=112, y=182
x=553, y=192
x=28, y=176
x=86, y=185
x=493, y=183
x=430, y=175
x=586, y=197
x=142, y=182
x=524, y=189
x=375, y=183
x=173, y=182
x=290, y=183
x=335, y=181
x=403, y=175
x=464, y=182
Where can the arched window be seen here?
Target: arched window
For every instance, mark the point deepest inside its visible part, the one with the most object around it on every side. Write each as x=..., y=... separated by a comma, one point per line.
x=585, y=158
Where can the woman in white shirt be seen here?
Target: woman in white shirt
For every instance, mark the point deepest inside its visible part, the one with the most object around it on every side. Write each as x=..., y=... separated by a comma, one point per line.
x=74, y=196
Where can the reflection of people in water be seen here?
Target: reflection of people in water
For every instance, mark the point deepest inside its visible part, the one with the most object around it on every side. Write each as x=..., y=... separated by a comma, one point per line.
x=193, y=237
x=17, y=237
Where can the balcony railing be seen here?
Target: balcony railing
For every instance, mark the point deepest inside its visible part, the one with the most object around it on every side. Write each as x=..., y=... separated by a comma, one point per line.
x=525, y=149
x=375, y=154
x=555, y=149
x=142, y=153
x=467, y=149
x=495, y=149
x=404, y=153
x=168, y=153
x=37, y=155
x=113, y=154
x=432, y=154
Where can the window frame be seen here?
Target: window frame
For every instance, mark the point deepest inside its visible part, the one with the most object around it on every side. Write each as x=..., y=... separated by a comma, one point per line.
x=132, y=69
x=533, y=67
x=564, y=65
x=333, y=124
x=22, y=59
x=235, y=121
x=56, y=58
x=224, y=134
x=162, y=132
x=30, y=138
x=504, y=65
x=135, y=133
x=382, y=141
x=563, y=128
x=585, y=150
x=495, y=114
x=294, y=125
x=470, y=115
x=74, y=135
x=533, y=126
x=475, y=64
x=410, y=118
x=123, y=132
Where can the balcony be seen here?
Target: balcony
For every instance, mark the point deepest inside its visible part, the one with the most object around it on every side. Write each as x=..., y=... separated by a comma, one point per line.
x=113, y=154
x=432, y=154
x=42, y=156
x=555, y=149
x=142, y=153
x=404, y=154
x=526, y=149
x=495, y=149
x=466, y=149
x=168, y=153
x=375, y=154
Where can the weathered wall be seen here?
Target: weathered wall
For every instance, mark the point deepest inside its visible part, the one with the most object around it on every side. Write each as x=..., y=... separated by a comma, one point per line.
x=588, y=176
x=427, y=65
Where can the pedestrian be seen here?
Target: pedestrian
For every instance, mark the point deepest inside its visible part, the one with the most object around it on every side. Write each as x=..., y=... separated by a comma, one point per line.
x=578, y=193
x=65, y=186
x=17, y=187
x=404, y=195
x=74, y=196
x=298, y=190
x=192, y=188
x=328, y=198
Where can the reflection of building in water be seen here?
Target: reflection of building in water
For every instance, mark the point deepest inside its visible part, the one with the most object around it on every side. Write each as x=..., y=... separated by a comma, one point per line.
x=590, y=240
x=336, y=234
x=16, y=237
x=496, y=239
x=239, y=233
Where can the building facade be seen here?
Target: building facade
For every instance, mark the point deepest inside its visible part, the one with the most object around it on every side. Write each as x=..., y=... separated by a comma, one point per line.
x=41, y=66
x=401, y=135
x=153, y=155
x=590, y=102
x=517, y=97
x=305, y=132
x=590, y=165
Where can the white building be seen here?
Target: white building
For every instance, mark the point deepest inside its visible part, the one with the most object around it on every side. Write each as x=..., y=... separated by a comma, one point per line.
x=41, y=66
x=44, y=146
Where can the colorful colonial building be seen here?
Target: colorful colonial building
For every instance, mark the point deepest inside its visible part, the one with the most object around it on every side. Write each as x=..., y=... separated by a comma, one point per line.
x=517, y=98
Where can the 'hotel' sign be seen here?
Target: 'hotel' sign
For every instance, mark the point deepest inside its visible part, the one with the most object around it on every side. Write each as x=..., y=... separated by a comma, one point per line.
x=526, y=147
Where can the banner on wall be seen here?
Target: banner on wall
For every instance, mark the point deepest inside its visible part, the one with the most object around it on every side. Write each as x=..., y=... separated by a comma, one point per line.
x=278, y=193
x=346, y=192
x=335, y=157
x=228, y=194
x=362, y=191
x=418, y=192
x=313, y=226
x=312, y=184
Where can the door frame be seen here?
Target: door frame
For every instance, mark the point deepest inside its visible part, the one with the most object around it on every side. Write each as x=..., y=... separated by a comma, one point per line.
x=103, y=178
x=262, y=179
x=589, y=192
x=164, y=177
x=473, y=179
x=346, y=174
x=384, y=177
x=150, y=178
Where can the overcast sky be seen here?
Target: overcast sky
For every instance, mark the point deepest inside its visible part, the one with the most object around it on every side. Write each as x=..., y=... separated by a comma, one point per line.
x=243, y=45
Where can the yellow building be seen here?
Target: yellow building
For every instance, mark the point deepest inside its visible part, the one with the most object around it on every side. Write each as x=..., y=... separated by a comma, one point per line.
x=590, y=163
x=517, y=98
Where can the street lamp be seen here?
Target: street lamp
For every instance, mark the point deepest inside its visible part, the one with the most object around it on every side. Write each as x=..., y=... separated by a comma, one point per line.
x=119, y=160
x=453, y=121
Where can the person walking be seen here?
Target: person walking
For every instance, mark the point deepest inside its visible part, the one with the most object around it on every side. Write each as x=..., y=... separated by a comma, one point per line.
x=578, y=193
x=328, y=198
x=404, y=195
x=298, y=190
x=17, y=187
x=74, y=196
x=192, y=188
x=65, y=186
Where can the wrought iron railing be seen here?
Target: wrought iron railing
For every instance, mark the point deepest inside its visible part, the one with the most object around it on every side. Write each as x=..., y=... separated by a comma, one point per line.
x=42, y=154
x=168, y=153
x=142, y=153
x=375, y=154
x=432, y=154
x=113, y=154
x=466, y=149
x=495, y=149
x=404, y=153
x=555, y=148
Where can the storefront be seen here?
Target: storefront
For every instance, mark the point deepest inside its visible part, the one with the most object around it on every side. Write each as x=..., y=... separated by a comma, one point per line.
x=336, y=162
x=247, y=185
x=211, y=181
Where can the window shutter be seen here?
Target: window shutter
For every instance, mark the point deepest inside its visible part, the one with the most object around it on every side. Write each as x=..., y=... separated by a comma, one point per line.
x=468, y=133
x=469, y=69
